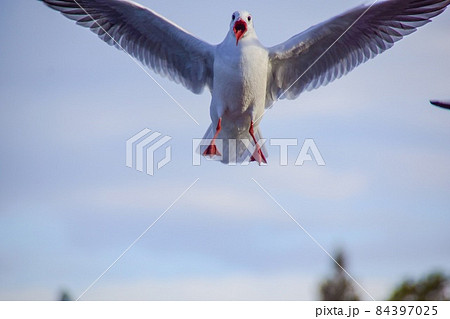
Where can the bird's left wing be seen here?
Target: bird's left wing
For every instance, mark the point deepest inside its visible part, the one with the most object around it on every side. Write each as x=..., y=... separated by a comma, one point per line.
x=155, y=41
x=444, y=105
x=333, y=48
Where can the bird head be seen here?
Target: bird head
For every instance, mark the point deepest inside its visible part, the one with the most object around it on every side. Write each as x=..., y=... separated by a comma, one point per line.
x=241, y=24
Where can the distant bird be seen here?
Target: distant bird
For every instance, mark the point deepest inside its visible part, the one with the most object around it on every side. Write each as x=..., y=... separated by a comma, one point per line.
x=444, y=105
x=245, y=77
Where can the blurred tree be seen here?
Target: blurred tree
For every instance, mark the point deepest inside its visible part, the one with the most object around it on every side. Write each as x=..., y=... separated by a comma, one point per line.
x=339, y=287
x=65, y=296
x=431, y=288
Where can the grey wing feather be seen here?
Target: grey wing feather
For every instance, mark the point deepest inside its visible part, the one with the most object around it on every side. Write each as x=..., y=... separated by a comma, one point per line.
x=329, y=50
x=156, y=42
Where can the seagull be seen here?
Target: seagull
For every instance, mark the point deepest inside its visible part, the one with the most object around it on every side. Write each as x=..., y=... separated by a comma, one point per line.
x=444, y=105
x=244, y=77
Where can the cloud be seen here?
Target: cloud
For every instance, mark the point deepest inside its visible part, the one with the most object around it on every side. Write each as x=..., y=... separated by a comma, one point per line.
x=231, y=287
x=221, y=201
x=315, y=182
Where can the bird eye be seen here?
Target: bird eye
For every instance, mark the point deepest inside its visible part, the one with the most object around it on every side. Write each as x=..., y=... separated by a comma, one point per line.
x=233, y=17
x=249, y=18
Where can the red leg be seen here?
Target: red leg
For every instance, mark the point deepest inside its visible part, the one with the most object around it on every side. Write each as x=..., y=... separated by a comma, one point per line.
x=258, y=155
x=211, y=150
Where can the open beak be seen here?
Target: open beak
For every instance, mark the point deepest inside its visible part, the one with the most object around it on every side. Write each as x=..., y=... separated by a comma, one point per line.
x=240, y=27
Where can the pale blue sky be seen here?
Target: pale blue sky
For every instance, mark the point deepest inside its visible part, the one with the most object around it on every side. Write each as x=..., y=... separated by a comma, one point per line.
x=69, y=206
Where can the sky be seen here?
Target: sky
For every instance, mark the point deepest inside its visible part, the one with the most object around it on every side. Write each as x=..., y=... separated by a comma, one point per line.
x=69, y=206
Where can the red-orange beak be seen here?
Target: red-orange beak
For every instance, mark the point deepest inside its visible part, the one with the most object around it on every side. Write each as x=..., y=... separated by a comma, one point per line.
x=240, y=27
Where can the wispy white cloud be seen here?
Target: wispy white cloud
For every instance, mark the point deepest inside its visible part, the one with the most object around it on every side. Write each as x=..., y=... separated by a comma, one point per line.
x=316, y=182
x=232, y=287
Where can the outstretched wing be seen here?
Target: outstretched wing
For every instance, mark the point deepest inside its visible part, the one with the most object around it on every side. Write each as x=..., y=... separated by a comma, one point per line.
x=329, y=50
x=155, y=41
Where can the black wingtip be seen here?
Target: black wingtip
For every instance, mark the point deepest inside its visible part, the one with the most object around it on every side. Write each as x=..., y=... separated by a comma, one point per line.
x=444, y=105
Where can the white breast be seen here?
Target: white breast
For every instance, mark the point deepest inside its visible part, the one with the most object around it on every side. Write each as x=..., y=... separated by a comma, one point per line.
x=240, y=80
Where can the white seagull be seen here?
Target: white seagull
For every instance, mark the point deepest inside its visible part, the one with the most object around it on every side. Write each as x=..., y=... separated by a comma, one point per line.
x=245, y=77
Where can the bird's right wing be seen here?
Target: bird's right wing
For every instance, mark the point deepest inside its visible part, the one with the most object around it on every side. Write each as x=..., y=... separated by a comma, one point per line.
x=155, y=41
x=333, y=48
